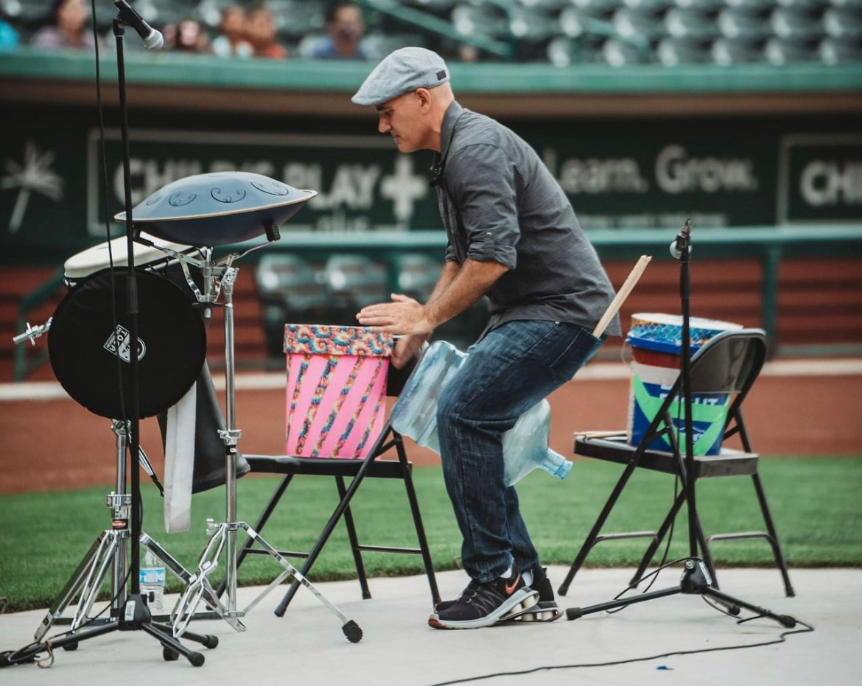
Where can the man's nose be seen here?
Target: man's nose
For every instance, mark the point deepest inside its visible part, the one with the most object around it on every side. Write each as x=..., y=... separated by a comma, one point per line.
x=382, y=126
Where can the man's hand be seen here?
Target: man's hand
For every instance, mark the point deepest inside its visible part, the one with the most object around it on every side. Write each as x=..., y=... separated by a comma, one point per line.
x=406, y=348
x=402, y=316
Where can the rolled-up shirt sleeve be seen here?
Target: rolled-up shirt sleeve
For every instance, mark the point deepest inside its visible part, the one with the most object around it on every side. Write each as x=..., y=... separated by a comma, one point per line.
x=482, y=181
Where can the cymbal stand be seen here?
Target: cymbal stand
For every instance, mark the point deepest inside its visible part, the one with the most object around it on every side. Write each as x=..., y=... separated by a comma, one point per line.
x=110, y=551
x=220, y=276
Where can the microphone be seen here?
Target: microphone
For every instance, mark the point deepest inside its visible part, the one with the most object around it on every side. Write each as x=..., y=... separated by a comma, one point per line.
x=153, y=40
x=679, y=243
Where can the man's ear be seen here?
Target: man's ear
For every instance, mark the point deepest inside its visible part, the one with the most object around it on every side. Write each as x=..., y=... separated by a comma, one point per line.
x=424, y=96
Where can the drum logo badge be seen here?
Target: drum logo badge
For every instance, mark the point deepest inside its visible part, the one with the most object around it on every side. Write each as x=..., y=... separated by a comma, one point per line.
x=118, y=344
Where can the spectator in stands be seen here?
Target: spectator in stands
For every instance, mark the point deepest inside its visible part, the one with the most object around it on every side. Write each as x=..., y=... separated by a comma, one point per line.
x=232, y=41
x=346, y=29
x=186, y=36
x=68, y=27
x=261, y=34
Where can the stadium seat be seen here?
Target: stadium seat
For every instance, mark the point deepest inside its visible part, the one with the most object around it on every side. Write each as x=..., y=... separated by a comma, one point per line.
x=727, y=365
x=208, y=12
x=805, y=5
x=532, y=25
x=702, y=5
x=486, y=19
x=689, y=25
x=295, y=19
x=309, y=45
x=576, y=23
x=751, y=5
x=672, y=52
x=417, y=275
x=597, y=7
x=793, y=26
x=617, y=53
x=432, y=6
x=843, y=23
x=728, y=51
x=736, y=24
x=354, y=281
x=786, y=51
x=633, y=25
x=378, y=45
x=648, y=5
x=28, y=13
x=548, y=5
x=832, y=51
x=563, y=51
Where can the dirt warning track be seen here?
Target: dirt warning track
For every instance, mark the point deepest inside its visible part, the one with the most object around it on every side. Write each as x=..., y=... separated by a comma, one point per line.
x=56, y=444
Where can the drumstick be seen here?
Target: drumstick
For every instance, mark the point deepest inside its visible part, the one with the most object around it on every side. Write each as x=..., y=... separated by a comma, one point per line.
x=598, y=434
x=621, y=296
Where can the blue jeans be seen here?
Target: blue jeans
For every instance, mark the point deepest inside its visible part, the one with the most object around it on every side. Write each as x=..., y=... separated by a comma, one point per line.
x=509, y=371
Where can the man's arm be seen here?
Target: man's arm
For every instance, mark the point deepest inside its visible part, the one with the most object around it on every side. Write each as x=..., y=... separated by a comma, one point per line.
x=407, y=347
x=471, y=282
x=406, y=316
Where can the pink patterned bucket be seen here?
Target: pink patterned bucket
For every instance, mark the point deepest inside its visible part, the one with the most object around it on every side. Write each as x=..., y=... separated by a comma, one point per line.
x=336, y=386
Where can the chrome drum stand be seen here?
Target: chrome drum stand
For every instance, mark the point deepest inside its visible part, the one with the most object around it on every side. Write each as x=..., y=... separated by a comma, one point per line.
x=110, y=552
x=220, y=275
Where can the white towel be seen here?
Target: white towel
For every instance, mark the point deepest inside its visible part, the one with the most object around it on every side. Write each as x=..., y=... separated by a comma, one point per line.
x=180, y=462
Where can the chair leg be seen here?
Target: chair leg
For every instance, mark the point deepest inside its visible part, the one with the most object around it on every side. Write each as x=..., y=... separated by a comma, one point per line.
x=773, y=536
x=656, y=542
x=354, y=541
x=599, y=523
x=327, y=532
x=258, y=527
x=417, y=522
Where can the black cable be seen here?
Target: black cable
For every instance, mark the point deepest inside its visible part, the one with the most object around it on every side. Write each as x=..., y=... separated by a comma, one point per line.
x=105, y=189
x=548, y=668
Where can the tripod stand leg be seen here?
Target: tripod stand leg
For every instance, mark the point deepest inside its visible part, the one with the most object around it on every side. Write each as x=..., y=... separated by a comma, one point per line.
x=198, y=587
x=349, y=627
x=102, y=562
x=578, y=612
x=70, y=590
x=207, y=640
x=784, y=620
x=171, y=644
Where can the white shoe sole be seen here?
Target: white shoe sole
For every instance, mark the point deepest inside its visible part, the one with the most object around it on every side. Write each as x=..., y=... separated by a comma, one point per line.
x=540, y=612
x=521, y=601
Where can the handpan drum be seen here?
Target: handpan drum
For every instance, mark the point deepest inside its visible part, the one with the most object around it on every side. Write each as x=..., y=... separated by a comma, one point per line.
x=217, y=209
x=83, y=344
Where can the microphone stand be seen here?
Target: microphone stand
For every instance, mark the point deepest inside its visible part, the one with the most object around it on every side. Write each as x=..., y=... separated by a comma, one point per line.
x=135, y=614
x=696, y=577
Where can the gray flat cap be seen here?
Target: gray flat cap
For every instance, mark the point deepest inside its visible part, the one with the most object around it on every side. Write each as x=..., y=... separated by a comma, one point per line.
x=402, y=71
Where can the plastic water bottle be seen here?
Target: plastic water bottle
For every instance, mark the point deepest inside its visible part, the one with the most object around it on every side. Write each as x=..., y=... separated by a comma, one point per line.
x=525, y=446
x=153, y=580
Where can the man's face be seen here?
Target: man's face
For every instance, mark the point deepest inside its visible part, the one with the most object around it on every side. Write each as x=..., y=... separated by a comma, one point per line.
x=404, y=119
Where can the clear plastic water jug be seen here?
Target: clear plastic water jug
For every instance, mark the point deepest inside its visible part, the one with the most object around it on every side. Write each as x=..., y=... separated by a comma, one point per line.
x=525, y=446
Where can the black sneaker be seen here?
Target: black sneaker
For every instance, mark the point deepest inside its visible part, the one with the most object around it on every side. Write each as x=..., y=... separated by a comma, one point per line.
x=486, y=604
x=546, y=610
x=466, y=593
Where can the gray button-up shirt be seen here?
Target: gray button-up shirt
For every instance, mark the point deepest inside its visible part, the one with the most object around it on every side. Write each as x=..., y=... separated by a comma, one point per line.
x=500, y=203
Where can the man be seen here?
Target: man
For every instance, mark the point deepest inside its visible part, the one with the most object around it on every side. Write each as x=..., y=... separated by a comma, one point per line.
x=513, y=236
x=346, y=28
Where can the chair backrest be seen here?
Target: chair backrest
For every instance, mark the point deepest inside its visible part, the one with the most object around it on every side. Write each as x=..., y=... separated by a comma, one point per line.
x=729, y=362
x=726, y=365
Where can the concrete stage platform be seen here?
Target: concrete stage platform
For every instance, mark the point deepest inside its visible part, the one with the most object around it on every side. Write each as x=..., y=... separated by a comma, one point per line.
x=399, y=649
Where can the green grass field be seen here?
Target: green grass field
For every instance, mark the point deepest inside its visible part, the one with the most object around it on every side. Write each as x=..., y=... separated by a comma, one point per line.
x=815, y=502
